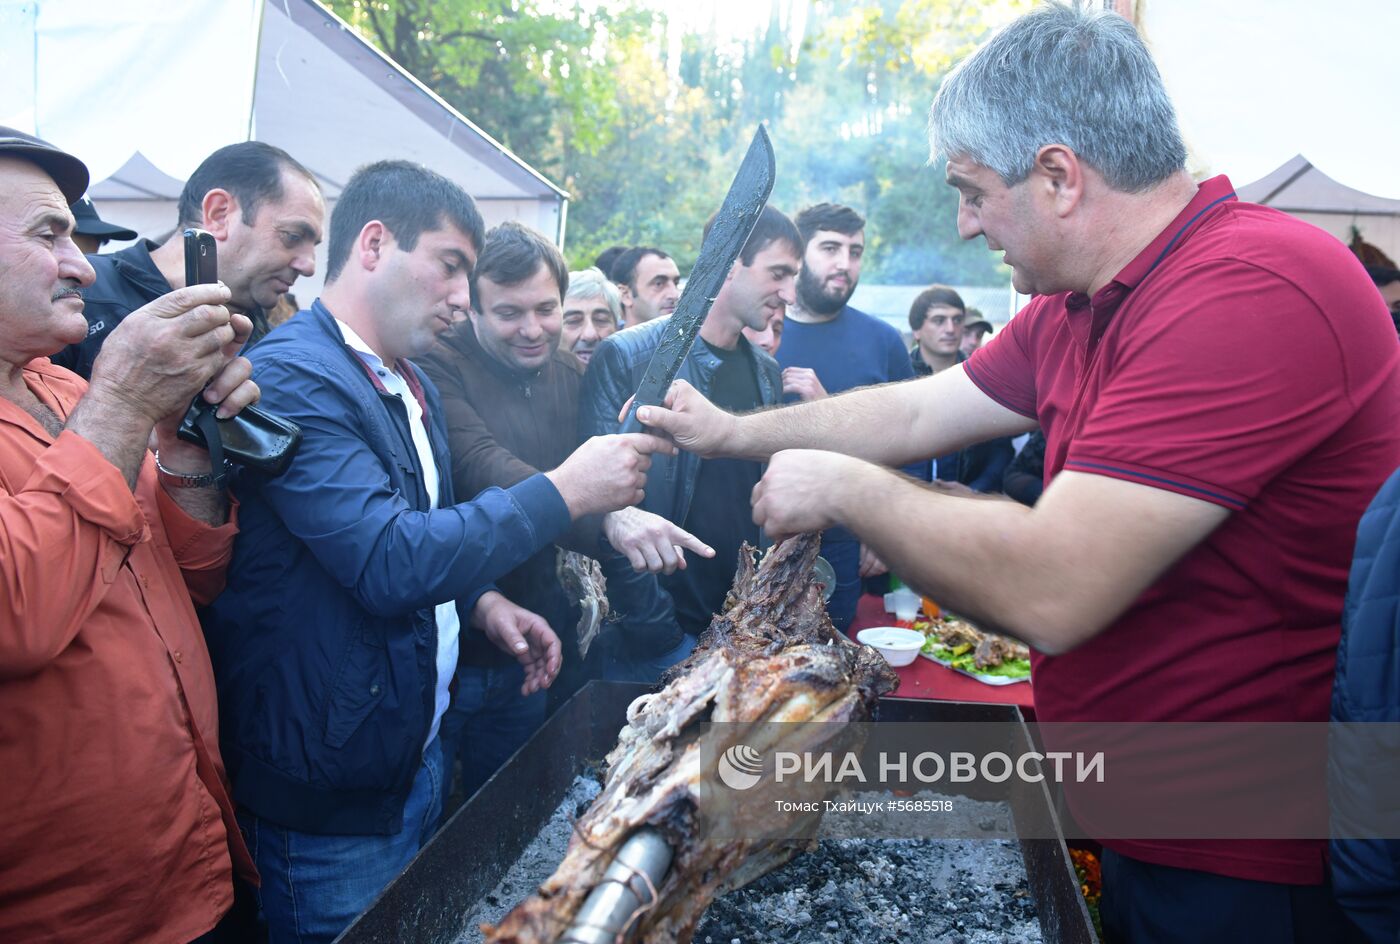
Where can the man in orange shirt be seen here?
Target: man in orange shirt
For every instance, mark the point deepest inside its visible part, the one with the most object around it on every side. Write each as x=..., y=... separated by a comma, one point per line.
x=118, y=825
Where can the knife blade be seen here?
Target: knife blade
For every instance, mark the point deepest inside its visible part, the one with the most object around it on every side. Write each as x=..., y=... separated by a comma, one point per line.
x=747, y=196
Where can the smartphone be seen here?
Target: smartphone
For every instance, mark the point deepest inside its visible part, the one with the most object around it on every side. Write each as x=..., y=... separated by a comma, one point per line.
x=201, y=268
x=201, y=258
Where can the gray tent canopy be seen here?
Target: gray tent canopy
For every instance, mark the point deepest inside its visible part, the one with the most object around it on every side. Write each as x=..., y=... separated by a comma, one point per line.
x=1300, y=189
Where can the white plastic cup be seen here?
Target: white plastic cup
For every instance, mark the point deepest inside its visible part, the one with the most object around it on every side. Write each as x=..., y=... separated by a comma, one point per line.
x=903, y=603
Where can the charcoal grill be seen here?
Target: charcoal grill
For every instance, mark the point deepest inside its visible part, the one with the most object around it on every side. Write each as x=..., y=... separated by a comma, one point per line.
x=490, y=831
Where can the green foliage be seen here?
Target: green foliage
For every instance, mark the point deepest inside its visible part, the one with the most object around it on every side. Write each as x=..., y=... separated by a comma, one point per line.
x=536, y=80
x=645, y=133
x=853, y=131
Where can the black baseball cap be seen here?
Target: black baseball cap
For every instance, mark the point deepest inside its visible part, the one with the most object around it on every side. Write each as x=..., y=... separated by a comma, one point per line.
x=67, y=171
x=1383, y=275
x=90, y=224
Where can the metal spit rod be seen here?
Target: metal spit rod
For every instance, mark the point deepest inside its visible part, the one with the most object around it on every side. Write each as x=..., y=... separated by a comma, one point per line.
x=628, y=887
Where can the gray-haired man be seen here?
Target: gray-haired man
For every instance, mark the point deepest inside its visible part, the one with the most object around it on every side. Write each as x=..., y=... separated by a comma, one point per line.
x=592, y=312
x=1187, y=561
x=118, y=822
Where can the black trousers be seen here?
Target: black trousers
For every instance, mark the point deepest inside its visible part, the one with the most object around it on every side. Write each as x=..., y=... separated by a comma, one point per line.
x=1146, y=904
x=241, y=925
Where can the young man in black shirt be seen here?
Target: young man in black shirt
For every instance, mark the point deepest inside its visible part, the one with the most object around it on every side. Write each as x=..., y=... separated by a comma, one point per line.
x=722, y=487
x=709, y=497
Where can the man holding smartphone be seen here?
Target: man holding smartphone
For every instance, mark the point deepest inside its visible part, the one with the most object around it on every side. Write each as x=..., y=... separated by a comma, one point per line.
x=266, y=214
x=119, y=824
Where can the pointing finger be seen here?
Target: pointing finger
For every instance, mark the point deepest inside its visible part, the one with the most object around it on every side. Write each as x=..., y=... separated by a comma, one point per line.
x=622, y=416
x=684, y=538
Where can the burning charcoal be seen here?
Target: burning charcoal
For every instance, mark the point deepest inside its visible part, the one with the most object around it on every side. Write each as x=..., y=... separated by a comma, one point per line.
x=849, y=906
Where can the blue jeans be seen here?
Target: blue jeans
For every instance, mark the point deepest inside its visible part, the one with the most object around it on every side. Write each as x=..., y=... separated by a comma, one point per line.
x=621, y=666
x=488, y=721
x=574, y=674
x=313, y=886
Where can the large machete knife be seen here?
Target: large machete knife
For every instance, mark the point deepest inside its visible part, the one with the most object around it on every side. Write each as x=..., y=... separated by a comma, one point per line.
x=736, y=218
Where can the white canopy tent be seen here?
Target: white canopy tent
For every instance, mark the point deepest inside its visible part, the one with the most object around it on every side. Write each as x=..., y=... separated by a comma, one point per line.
x=143, y=90
x=1300, y=189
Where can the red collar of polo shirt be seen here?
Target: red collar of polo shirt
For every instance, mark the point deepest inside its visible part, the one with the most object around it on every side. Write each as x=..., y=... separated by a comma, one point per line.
x=1209, y=195
x=403, y=369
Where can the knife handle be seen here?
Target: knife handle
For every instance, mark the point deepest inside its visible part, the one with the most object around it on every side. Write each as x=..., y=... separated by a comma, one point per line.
x=652, y=390
x=631, y=424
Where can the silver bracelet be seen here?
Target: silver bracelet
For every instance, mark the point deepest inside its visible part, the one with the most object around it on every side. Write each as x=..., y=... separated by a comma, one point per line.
x=191, y=480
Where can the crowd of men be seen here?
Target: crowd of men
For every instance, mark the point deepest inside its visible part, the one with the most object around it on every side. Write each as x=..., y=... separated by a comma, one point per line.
x=236, y=703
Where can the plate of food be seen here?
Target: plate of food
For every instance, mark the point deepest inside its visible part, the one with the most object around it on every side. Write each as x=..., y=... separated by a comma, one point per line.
x=962, y=647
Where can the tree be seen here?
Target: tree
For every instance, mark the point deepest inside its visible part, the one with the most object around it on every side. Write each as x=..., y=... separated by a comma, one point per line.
x=538, y=81
x=856, y=122
x=646, y=141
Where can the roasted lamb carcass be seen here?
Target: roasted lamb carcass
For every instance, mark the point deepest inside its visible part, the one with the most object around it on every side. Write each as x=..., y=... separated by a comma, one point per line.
x=773, y=655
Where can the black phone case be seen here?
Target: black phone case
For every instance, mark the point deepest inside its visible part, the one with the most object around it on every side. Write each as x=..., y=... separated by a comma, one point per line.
x=254, y=438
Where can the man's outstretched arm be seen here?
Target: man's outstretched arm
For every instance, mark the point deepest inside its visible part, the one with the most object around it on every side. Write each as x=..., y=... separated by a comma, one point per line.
x=1054, y=575
x=893, y=424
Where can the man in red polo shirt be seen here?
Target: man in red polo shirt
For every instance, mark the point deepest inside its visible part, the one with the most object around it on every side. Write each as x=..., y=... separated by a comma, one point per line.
x=1189, y=557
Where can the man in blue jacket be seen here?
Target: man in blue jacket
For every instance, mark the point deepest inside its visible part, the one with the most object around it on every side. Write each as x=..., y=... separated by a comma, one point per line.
x=336, y=639
x=1366, y=716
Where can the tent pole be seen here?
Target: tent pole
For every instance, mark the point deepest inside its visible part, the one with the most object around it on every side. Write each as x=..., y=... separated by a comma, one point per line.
x=257, y=58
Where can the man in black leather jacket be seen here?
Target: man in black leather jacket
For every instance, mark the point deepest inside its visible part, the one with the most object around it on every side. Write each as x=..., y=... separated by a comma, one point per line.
x=709, y=498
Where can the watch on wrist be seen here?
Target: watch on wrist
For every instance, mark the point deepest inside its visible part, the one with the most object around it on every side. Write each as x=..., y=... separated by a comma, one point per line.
x=172, y=479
